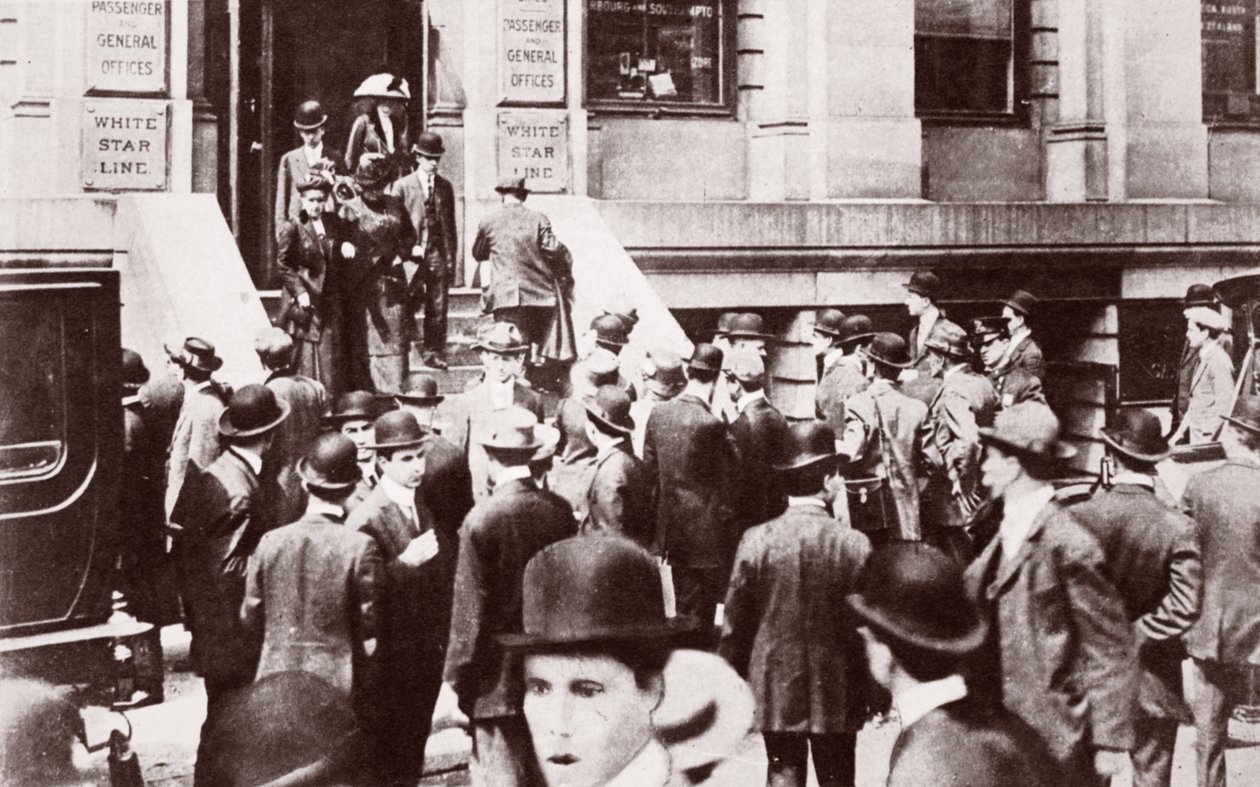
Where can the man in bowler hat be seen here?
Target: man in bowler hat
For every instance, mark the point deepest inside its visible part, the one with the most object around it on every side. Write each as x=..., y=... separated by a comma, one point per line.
x=846, y=375
x=413, y=584
x=921, y=632
x=1063, y=658
x=1225, y=641
x=619, y=497
x=663, y=379
x=306, y=399
x=218, y=532
x=196, y=437
x=447, y=485
x=1022, y=352
x=309, y=121
x=692, y=458
x=352, y=415
x=430, y=201
x=497, y=540
x=1152, y=557
x=759, y=432
x=781, y=630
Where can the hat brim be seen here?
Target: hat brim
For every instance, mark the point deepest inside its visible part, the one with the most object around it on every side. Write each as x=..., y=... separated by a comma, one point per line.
x=1111, y=440
x=917, y=290
x=1016, y=307
x=962, y=645
x=419, y=401
x=511, y=349
x=671, y=628
x=337, y=418
x=805, y=462
x=1057, y=452
x=186, y=360
x=881, y=360
x=618, y=428
x=395, y=445
x=946, y=350
x=512, y=189
x=722, y=710
x=704, y=367
x=310, y=478
x=544, y=435
x=228, y=430
x=751, y=335
x=1236, y=291
x=310, y=126
x=857, y=337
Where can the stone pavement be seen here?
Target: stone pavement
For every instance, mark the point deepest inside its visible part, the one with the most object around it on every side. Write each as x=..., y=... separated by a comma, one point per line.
x=166, y=735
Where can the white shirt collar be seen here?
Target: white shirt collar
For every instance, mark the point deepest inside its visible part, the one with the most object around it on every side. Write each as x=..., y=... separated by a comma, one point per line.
x=1018, y=515
x=806, y=501
x=513, y=473
x=953, y=370
x=832, y=357
x=198, y=386
x=1134, y=479
x=313, y=155
x=398, y=494
x=649, y=767
x=610, y=448
x=316, y=506
x=502, y=395
x=926, y=320
x=748, y=399
x=369, y=470
x=1206, y=348
x=918, y=701
x=252, y=459
x=387, y=126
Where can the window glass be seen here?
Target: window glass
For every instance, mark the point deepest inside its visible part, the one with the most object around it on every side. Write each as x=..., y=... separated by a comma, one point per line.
x=963, y=56
x=663, y=51
x=32, y=388
x=1229, y=60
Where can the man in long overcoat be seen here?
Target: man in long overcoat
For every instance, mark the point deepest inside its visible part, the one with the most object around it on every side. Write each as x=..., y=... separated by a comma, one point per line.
x=1152, y=557
x=922, y=293
x=783, y=631
x=1063, y=656
x=570, y=475
x=1225, y=642
x=758, y=432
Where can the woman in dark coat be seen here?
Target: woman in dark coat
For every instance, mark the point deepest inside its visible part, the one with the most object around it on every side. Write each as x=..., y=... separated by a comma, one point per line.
x=382, y=126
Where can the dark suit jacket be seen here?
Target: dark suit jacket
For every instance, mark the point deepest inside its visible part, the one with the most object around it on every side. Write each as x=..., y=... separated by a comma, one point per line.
x=293, y=440
x=1152, y=557
x=292, y=171
x=469, y=413
x=310, y=264
x=1185, y=374
x=619, y=499
x=968, y=743
x=1027, y=356
x=310, y=599
x=691, y=457
x=1014, y=385
x=1226, y=506
x=571, y=474
x=498, y=538
x=413, y=188
x=1064, y=646
x=525, y=258
x=965, y=402
x=759, y=433
x=447, y=487
x=786, y=630
x=380, y=299
x=215, y=510
x=840, y=381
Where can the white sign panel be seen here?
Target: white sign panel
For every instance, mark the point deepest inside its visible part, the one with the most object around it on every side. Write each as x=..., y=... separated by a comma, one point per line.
x=531, y=51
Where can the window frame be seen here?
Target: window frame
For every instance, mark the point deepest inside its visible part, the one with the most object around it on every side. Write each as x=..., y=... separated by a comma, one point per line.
x=1250, y=120
x=1020, y=84
x=726, y=71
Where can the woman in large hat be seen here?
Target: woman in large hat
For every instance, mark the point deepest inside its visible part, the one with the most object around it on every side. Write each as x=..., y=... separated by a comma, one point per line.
x=609, y=699
x=382, y=126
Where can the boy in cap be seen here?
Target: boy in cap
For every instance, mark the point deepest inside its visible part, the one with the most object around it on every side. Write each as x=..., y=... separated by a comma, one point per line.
x=415, y=570
x=758, y=431
x=619, y=496
x=1152, y=557
x=196, y=436
x=1022, y=352
x=1212, y=383
x=296, y=165
x=310, y=592
x=883, y=446
x=663, y=379
x=1064, y=659
x=498, y=538
x=921, y=632
x=781, y=630
x=692, y=459
x=846, y=375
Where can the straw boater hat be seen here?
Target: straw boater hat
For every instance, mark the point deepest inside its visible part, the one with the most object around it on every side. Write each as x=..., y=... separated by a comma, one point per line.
x=383, y=86
x=1138, y=435
x=516, y=430
x=332, y=464
x=252, y=410
x=196, y=354
x=1029, y=430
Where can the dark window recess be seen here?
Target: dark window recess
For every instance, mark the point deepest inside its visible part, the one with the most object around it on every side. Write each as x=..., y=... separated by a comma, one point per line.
x=32, y=389
x=1229, y=61
x=660, y=52
x=964, y=55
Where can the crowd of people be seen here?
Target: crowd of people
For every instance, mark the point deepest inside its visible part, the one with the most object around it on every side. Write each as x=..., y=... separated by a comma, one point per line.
x=617, y=596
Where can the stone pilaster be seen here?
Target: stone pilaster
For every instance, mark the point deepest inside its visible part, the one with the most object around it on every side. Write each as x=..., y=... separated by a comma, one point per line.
x=1076, y=145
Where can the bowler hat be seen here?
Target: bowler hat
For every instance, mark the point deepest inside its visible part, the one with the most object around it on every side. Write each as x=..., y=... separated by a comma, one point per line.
x=332, y=463
x=611, y=330
x=1199, y=295
x=745, y=365
x=913, y=594
x=422, y=392
x=588, y=590
x=313, y=182
x=598, y=368
x=749, y=326
x=1208, y=318
x=501, y=338
x=889, y=349
x=273, y=344
x=663, y=372
x=429, y=145
x=621, y=306
x=397, y=429
x=705, y=357
x=196, y=354
x=724, y=321
x=855, y=328
x=1137, y=434
x=1030, y=430
x=610, y=408
x=807, y=443
x=948, y=338
x=353, y=406
x=988, y=329
x=310, y=115
x=1246, y=414
x=1023, y=302
x=515, y=430
x=134, y=372
x=828, y=322
x=383, y=86
x=511, y=185
x=251, y=411
x=373, y=171
x=924, y=283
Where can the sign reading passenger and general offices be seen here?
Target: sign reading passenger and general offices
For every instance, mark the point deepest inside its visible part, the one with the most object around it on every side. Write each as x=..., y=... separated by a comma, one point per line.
x=531, y=51
x=534, y=144
x=127, y=44
x=124, y=145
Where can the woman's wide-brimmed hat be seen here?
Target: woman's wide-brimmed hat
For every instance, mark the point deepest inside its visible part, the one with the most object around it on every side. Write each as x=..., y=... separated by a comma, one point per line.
x=589, y=590
x=1138, y=435
x=383, y=86
x=251, y=411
